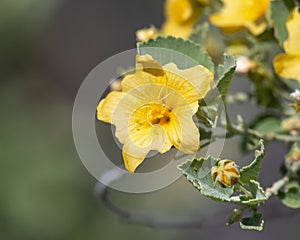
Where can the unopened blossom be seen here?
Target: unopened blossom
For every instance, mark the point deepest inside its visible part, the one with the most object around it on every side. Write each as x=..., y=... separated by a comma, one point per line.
x=292, y=159
x=295, y=95
x=154, y=110
x=291, y=124
x=145, y=34
x=226, y=173
x=244, y=64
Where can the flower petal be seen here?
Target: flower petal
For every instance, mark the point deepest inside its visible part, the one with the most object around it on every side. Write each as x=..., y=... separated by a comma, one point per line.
x=236, y=13
x=176, y=30
x=131, y=112
x=256, y=28
x=106, y=107
x=134, y=154
x=178, y=10
x=293, y=26
x=182, y=130
x=287, y=65
x=147, y=71
x=181, y=15
x=192, y=83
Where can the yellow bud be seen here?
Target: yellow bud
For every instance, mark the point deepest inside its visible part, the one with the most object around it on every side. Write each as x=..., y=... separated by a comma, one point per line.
x=225, y=173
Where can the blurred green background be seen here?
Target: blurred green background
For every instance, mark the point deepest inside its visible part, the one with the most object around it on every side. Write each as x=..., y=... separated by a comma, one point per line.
x=46, y=49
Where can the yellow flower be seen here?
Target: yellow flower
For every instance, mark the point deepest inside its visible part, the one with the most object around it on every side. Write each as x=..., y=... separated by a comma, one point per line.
x=287, y=65
x=237, y=14
x=155, y=108
x=181, y=15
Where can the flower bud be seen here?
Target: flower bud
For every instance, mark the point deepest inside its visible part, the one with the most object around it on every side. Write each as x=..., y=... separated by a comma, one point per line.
x=292, y=160
x=244, y=65
x=225, y=173
x=145, y=34
x=296, y=96
x=291, y=124
x=235, y=216
x=116, y=86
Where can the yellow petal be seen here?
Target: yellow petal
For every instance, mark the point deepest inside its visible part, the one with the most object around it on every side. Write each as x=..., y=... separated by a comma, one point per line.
x=147, y=64
x=106, y=107
x=181, y=15
x=288, y=66
x=131, y=162
x=134, y=154
x=292, y=45
x=176, y=30
x=147, y=71
x=192, y=83
x=178, y=10
x=194, y=106
x=131, y=112
x=256, y=28
x=182, y=130
x=237, y=13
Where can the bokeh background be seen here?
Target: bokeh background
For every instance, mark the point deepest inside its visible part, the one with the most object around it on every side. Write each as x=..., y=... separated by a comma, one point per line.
x=46, y=49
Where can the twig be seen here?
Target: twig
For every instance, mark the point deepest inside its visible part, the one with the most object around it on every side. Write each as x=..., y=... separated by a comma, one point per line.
x=273, y=190
x=266, y=136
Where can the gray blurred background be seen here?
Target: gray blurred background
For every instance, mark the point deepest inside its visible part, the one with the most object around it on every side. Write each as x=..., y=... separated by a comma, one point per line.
x=46, y=50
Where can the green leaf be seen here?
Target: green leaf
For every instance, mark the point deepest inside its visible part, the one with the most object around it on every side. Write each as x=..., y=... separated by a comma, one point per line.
x=280, y=11
x=291, y=196
x=258, y=193
x=208, y=115
x=291, y=83
x=268, y=125
x=211, y=104
x=253, y=223
x=184, y=53
x=199, y=34
x=251, y=171
x=265, y=123
x=198, y=172
x=226, y=73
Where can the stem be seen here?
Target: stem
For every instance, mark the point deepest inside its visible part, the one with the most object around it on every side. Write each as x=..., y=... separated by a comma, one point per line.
x=240, y=187
x=273, y=190
x=266, y=136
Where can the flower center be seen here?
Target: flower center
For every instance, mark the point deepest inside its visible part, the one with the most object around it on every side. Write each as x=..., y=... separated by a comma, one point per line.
x=158, y=114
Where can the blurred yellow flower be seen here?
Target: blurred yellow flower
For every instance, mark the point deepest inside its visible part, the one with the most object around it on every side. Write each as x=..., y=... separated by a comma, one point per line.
x=237, y=14
x=287, y=64
x=181, y=15
x=155, y=108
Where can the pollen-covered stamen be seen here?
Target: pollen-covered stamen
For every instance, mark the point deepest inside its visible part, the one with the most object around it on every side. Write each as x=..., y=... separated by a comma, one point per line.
x=158, y=114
